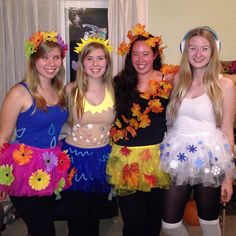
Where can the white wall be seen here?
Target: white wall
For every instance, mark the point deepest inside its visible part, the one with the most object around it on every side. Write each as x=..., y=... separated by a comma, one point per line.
x=173, y=18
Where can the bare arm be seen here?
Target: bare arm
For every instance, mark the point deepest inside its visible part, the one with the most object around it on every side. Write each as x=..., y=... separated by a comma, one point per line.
x=15, y=101
x=227, y=123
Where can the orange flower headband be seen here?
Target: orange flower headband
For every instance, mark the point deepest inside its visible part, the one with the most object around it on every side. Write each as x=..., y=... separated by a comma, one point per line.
x=32, y=44
x=132, y=35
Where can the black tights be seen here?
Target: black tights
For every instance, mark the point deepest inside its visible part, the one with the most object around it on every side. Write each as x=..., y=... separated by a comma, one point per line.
x=141, y=213
x=83, y=212
x=175, y=199
x=36, y=212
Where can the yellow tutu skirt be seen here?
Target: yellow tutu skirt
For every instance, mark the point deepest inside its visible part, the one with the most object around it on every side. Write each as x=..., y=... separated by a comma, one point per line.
x=132, y=169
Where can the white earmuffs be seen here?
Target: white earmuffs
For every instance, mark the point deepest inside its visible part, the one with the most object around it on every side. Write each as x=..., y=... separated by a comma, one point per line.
x=218, y=43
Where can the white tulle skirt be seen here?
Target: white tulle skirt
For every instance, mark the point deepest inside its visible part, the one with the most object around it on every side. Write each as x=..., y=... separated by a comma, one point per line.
x=199, y=158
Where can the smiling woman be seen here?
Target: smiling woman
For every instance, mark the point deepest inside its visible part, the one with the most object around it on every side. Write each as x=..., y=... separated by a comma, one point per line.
x=33, y=167
x=91, y=106
x=141, y=93
x=197, y=151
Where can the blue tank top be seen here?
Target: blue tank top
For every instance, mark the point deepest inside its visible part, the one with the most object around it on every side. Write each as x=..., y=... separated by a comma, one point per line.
x=40, y=128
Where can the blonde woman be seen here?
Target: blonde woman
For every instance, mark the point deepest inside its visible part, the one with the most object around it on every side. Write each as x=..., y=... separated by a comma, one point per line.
x=91, y=106
x=197, y=150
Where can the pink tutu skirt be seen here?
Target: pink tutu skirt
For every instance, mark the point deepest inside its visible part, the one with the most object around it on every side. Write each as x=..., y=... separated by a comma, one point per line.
x=32, y=171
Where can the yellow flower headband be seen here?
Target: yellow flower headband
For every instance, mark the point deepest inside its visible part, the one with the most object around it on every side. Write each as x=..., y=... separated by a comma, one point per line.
x=32, y=44
x=139, y=29
x=92, y=40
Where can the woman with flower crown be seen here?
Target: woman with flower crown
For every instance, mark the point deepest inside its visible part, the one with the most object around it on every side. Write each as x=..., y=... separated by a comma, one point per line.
x=91, y=108
x=33, y=167
x=141, y=94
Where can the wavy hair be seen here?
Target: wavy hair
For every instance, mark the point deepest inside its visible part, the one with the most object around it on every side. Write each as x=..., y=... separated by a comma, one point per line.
x=210, y=79
x=126, y=81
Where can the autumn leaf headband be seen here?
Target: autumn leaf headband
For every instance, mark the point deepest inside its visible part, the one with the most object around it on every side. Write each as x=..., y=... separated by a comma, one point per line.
x=32, y=44
x=139, y=29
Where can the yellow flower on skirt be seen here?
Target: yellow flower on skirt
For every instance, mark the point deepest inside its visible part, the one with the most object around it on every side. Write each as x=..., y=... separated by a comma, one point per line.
x=39, y=180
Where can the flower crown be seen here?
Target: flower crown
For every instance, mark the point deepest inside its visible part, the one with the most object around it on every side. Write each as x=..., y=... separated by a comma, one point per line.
x=139, y=29
x=32, y=44
x=89, y=40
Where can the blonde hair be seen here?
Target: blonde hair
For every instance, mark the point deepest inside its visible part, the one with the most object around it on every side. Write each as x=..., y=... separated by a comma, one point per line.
x=32, y=76
x=211, y=81
x=76, y=98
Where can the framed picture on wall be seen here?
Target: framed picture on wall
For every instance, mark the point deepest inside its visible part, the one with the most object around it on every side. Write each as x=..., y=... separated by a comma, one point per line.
x=82, y=19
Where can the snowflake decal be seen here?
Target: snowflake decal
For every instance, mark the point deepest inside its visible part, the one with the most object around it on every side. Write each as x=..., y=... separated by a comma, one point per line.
x=207, y=170
x=198, y=163
x=192, y=148
x=215, y=170
x=162, y=147
x=162, y=156
x=174, y=164
x=227, y=147
x=182, y=157
x=209, y=153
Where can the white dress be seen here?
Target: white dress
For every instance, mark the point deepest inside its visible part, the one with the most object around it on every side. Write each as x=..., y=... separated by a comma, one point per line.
x=194, y=151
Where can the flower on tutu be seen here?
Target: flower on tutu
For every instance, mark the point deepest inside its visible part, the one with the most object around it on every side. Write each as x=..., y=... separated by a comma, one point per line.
x=63, y=161
x=174, y=164
x=192, y=148
x=39, y=180
x=145, y=155
x=131, y=174
x=227, y=147
x=210, y=155
x=50, y=160
x=6, y=175
x=23, y=155
x=61, y=185
x=71, y=175
x=4, y=147
x=198, y=163
x=181, y=157
x=125, y=151
x=151, y=180
x=215, y=170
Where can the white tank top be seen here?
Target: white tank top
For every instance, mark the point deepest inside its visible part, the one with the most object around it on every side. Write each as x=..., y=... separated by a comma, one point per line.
x=195, y=115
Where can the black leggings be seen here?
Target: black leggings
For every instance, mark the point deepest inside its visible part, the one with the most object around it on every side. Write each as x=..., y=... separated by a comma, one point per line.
x=36, y=212
x=175, y=200
x=83, y=212
x=141, y=213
